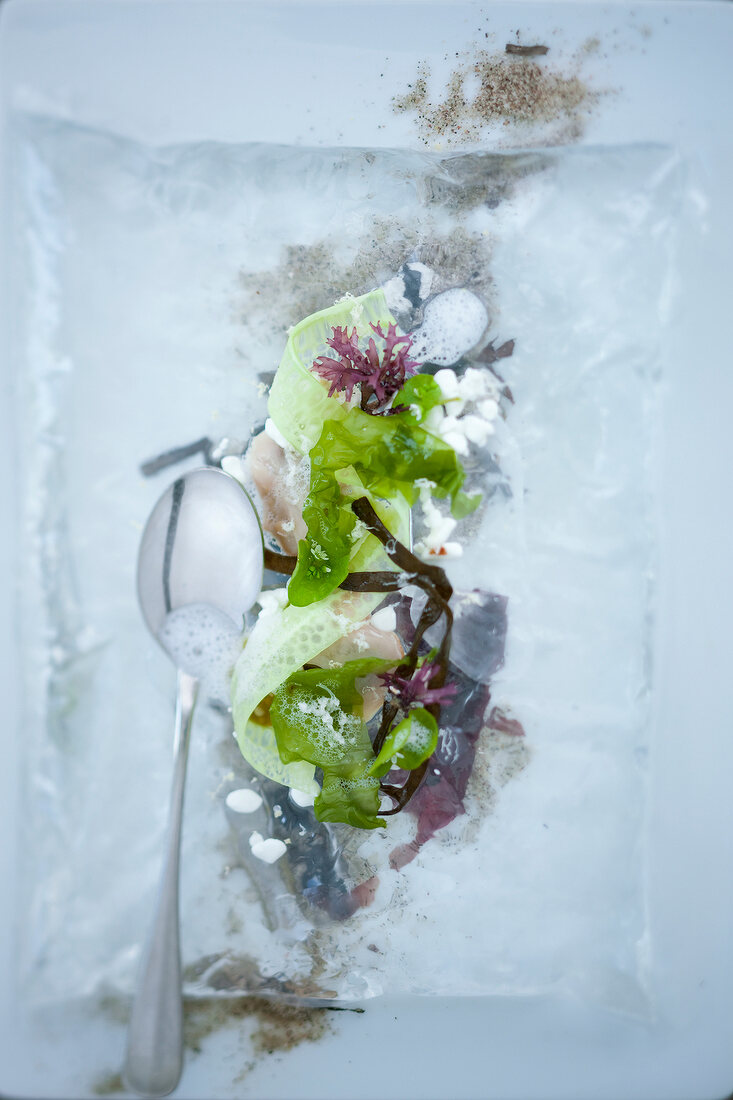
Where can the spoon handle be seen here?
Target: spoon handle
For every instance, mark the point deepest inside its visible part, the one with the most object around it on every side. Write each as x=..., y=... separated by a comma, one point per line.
x=154, y=1058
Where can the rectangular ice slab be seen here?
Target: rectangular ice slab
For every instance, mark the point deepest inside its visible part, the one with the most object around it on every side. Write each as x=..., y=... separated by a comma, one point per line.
x=158, y=288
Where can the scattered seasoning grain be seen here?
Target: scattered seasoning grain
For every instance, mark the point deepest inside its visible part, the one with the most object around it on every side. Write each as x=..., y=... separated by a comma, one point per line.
x=513, y=89
x=278, y=1026
x=111, y=1084
x=460, y=256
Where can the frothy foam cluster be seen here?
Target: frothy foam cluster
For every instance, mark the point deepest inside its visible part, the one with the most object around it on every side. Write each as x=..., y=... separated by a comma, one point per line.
x=330, y=729
x=453, y=323
x=205, y=643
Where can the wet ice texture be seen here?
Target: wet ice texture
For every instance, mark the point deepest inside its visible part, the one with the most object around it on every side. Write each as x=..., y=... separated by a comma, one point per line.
x=132, y=344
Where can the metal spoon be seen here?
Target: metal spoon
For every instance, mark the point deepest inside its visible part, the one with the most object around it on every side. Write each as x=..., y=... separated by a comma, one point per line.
x=201, y=554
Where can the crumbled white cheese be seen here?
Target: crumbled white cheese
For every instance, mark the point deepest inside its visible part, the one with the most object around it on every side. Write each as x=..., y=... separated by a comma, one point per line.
x=275, y=434
x=476, y=429
x=439, y=528
x=235, y=467
x=244, y=801
x=301, y=798
x=453, y=423
x=268, y=850
x=447, y=379
x=385, y=619
x=446, y=550
x=474, y=384
x=272, y=600
x=488, y=408
x=450, y=388
x=451, y=550
x=454, y=437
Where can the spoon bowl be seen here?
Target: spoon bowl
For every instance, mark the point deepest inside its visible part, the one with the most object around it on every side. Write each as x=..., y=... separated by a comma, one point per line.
x=202, y=546
x=200, y=569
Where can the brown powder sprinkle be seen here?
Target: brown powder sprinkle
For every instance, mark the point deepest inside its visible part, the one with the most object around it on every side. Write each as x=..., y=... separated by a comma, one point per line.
x=266, y=1026
x=506, y=88
x=310, y=276
x=278, y=1026
x=110, y=1084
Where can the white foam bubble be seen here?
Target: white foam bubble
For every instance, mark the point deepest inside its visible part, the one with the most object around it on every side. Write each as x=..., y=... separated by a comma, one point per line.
x=205, y=643
x=453, y=323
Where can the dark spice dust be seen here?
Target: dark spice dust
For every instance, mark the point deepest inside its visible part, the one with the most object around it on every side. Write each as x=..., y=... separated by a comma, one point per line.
x=274, y=1027
x=278, y=1027
x=513, y=89
x=109, y=1085
x=310, y=277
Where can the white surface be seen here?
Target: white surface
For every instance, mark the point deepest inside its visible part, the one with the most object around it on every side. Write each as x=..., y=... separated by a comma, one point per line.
x=179, y=70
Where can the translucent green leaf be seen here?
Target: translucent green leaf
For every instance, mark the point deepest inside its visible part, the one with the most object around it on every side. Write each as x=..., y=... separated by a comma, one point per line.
x=352, y=800
x=299, y=402
x=409, y=744
x=420, y=392
x=317, y=714
x=387, y=454
x=280, y=644
x=463, y=504
x=317, y=717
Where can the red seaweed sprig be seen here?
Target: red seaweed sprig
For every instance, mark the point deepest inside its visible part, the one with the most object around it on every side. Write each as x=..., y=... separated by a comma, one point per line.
x=415, y=690
x=379, y=375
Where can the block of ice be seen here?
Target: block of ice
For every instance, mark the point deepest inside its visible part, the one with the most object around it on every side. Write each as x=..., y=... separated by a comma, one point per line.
x=158, y=286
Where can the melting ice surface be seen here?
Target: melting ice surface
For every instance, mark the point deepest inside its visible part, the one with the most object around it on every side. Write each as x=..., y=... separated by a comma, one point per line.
x=205, y=643
x=545, y=891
